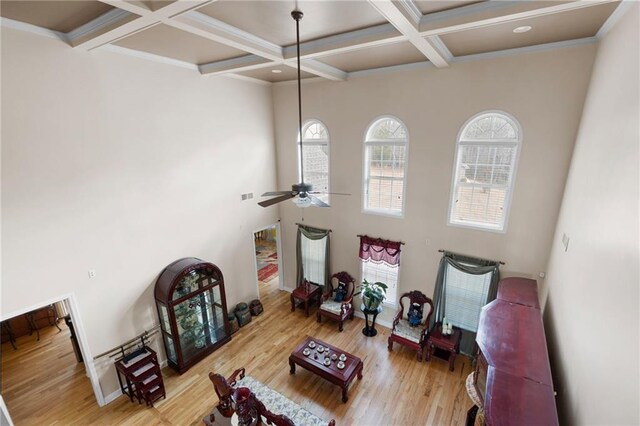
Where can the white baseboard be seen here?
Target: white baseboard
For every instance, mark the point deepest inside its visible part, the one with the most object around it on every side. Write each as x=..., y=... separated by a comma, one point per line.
x=112, y=396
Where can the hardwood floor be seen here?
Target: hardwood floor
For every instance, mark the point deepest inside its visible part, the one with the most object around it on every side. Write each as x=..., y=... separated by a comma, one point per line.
x=47, y=387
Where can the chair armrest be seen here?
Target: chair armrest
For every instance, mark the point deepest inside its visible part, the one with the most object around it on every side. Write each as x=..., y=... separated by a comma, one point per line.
x=232, y=379
x=396, y=320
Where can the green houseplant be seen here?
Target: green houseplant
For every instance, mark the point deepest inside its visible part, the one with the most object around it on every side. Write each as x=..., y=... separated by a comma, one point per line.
x=373, y=294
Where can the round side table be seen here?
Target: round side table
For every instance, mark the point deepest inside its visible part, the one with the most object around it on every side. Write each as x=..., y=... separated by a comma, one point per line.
x=370, y=330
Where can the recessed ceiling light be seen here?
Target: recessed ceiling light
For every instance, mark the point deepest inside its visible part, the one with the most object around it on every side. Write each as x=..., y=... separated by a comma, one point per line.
x=276, y=71
x=522, y=29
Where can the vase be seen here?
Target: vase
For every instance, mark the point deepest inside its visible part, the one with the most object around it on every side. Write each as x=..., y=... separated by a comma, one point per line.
x=370, y=303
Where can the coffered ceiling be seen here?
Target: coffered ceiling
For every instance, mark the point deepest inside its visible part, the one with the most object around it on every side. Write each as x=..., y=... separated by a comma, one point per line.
x=256, y=39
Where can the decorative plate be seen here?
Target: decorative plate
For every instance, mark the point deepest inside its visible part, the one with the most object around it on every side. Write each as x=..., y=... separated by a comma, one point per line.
x=343, y=357
x=306, y=352
x=320, y=349
x=327, y=362
x=340, y=365
x=312, y=344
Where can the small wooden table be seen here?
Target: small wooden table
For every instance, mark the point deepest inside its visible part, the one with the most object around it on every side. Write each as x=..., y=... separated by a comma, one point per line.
x=450, y=343
x=314, y=363
x=305, y=293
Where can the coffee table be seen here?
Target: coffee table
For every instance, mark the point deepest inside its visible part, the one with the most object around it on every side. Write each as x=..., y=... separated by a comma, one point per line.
x=314, y=363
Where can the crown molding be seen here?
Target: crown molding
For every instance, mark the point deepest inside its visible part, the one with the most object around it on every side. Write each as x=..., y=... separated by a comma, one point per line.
x=33, y=29
x=613, y=19
x=148, y=56
x=103, y=21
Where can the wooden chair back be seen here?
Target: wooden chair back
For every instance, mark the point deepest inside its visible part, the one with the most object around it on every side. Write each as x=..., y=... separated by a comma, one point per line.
x=420, y=298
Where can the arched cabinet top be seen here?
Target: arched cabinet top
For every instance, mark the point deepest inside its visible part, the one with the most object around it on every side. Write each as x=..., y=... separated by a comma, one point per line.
x=183, y=277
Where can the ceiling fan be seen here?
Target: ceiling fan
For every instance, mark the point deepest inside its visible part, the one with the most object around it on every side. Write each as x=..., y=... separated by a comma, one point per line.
x=302, y=193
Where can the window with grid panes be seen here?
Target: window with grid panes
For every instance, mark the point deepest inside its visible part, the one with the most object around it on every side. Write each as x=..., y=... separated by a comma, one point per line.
x=486, y=161
x=382, y=272
x=465, y=295
x=313, y=258
x=315, y=150
x=385, y=166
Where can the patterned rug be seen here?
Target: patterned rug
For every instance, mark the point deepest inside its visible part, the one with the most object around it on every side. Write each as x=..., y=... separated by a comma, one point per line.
x=266, y=273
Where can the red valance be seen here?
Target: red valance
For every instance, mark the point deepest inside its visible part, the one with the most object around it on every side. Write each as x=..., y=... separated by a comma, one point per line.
x=379, y=250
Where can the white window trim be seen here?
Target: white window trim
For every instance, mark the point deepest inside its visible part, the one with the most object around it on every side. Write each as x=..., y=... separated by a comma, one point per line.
x=514, y=172
x=319, y=142
x=365, y=168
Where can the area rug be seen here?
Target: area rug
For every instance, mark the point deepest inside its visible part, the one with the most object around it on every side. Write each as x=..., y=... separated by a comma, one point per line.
x=268, y=272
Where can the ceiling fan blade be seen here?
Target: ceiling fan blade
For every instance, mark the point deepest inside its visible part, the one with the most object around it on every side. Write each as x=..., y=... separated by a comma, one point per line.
x=331, y=193
x=276, y=200
x=317, y=201
x=271, y=193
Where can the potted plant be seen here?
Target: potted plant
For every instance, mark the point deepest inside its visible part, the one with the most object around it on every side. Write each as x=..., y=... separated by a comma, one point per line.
x=373, y=294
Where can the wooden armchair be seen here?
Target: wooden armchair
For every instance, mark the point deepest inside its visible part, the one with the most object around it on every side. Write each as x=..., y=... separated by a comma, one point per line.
x=403, y=332
x=342, y=308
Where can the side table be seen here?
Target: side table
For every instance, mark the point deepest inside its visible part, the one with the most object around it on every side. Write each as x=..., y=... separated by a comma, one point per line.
x=305, y=292
x=449, y=343
x=370, y=330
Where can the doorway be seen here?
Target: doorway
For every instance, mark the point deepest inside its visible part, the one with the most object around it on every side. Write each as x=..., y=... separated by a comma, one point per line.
x=268, y=259
x=45, y=347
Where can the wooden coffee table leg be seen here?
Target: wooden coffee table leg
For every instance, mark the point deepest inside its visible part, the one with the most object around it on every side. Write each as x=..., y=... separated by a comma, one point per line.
x=345, y=398
x=360, y=371
x=292, y=367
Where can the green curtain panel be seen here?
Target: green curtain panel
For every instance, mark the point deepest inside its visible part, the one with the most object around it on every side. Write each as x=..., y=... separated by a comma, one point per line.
x=312, y=234
x=469, y=265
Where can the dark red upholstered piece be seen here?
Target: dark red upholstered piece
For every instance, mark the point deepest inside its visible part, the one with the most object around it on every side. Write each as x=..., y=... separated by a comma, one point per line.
x=511, y=337
x=522, y=291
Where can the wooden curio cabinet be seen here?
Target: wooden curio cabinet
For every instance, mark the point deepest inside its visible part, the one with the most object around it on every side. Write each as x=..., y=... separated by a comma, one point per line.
x=193, y=311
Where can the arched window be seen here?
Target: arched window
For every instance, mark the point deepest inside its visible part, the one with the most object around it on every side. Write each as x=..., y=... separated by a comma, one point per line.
x=315, y=149
x=385, y=165
x=486, y=160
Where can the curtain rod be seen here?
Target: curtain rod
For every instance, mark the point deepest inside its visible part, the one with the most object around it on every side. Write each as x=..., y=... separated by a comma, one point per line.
x=497, y=261
x=359, y=236
x=302, y=224
x=145, y=335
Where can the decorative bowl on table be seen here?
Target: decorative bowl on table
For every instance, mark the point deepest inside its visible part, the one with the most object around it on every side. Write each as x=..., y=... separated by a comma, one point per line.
x=340, y=365
x=320, y=349
x=306, y=352
x=327, y=362
x=312, y=344
x=343, y=357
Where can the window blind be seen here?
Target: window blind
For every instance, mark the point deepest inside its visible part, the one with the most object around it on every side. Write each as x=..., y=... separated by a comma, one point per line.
x=385, y=273
x=313, y=258
x=465, y=296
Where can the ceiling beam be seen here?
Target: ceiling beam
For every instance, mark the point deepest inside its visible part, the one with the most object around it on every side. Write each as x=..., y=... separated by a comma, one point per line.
x=400, y=18
x=148, y=19
x=241, y=64
x=437, y=25
x=318, y=68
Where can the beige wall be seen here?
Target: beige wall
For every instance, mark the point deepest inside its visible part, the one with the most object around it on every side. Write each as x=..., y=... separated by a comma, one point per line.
x=544, y=91
x=591, y=318
x=123, y=165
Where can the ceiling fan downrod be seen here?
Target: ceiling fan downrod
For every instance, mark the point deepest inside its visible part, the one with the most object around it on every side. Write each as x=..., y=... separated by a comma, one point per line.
x=297, y=16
